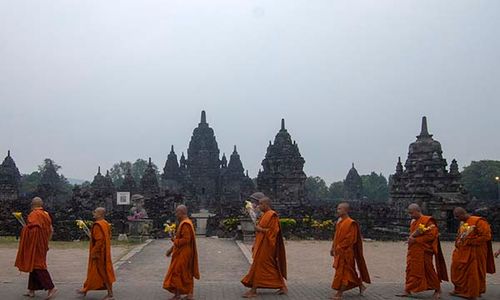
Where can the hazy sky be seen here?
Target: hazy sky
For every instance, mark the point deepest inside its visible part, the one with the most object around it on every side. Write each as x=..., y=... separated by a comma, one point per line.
x=90, y=83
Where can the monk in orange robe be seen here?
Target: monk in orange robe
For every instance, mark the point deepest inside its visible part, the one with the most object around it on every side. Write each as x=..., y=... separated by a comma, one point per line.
x=33, y=247
x=268, y=270
x=100, y=273
x=423, y=244
x=472, y=257
x=184, y=264
x=347, y=250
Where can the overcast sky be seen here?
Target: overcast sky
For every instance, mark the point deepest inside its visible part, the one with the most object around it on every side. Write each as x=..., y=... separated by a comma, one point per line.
x=90, y=83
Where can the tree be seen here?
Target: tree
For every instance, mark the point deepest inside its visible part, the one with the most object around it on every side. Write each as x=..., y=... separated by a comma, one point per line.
x=375, y=187
x=316, y=190
x=29, y=182
x=118, y=171
x=336, y=191
x=479, y=179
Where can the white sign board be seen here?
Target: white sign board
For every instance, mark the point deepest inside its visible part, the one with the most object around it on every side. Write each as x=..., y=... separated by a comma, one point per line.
x=123, y=198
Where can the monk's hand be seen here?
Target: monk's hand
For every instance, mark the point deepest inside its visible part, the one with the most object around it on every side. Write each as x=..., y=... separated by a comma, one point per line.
x=169, y=252
x=260, y=229
x=332, y=252
x=411, y=240
x=497, y=254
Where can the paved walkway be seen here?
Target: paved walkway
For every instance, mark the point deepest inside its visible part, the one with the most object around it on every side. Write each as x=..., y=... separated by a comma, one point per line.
x=222, y=265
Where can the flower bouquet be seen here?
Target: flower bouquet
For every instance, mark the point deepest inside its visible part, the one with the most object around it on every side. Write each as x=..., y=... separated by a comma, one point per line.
x=465, y=230
x=83, y=226
x=421, y=230
x=170, y=229
x=249, y=208
x=19, y=217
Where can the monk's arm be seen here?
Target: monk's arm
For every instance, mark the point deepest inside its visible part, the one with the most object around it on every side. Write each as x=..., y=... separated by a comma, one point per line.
x=349, y=240
x=186, y=237
x=483, y=234
x=98, y=249
x=273, y=230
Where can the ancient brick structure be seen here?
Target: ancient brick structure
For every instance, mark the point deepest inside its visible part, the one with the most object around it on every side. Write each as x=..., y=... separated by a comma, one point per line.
x=10, y=179
x=426, y=181
x=353, y=185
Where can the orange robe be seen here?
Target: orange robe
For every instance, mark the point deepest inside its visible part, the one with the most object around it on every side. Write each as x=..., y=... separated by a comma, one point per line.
x=268, y=269
x=472, y=259
x=100, y=266
x=420, y=272
x=348, y=246
x=34, y=242
x=184, y=265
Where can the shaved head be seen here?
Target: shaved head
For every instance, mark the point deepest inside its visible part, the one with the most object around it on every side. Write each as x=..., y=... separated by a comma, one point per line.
x=460, y=214
x=264, y=201
x=37, y=202
x=99, y=213
x=343, y=209
x=181, y=212
x=414, y=211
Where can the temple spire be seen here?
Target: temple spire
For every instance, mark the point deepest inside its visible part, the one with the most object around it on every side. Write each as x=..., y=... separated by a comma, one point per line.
x=283, y=124
x=235, y=151
x=424, y=132
x=203, y=117
x=353, y=165
x=99, y=170
x=150, y=161
x=8, y=153
x=172, y=149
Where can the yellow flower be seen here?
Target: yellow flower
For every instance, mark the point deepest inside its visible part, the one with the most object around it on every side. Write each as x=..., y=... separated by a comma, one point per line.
x=18, y=214
x=169, y=228
x=248, y=205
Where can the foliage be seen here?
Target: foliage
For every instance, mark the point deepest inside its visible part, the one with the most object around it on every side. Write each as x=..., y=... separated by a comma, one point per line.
x=30, y=182
x=375, y=187
x=479, y=179
x=287, y=223
x=230, y=224
x=316, y=189
x=118, y=170
x=336, y=191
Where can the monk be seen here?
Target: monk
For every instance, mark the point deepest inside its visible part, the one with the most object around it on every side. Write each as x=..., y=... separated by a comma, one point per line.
x=423, y=245
x=347, y=250
x=472, y=257
x=268, y=270
x=497, y=254
x=32, y=251
x=100, y=273
x=184, y=265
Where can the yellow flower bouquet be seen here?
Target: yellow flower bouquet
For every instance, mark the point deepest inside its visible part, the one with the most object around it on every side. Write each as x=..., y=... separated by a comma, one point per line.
x=465, y=229
x=251, y=211
x=170, y=229
x=422, y=229
x=19, y=217
x=83, y=226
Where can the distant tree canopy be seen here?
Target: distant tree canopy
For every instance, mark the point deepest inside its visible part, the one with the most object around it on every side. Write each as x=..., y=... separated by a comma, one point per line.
x=336, y=191
x=118, y=171
x=46, y=175
x=375, y=187
x=316, y=189
x=479, y=179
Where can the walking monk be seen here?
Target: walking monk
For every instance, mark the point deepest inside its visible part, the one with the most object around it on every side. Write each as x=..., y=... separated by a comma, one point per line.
x=100, y=273
x=268, y=270
x=423, y=244
x=347, y=250
x=184, y=265
x=33, y=247
x=472, y=257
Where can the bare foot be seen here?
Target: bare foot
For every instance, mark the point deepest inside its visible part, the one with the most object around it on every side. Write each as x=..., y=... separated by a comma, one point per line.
x=405, y=294
x=176, y=297
x=362, y=289
x=282, y=291
x=51, y=294
x=249, y=294
x=81, y=292
x=30, y=294
x=337, y=296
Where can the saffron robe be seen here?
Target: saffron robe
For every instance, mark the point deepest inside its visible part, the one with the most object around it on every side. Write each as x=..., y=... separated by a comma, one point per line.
x=100, y=265
x=420, y=272
x=268, y=269
x=472, y=259
x=184, y=264
x=348, y=246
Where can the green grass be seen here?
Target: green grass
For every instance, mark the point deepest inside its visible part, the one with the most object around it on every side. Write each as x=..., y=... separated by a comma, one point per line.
x=11, y=242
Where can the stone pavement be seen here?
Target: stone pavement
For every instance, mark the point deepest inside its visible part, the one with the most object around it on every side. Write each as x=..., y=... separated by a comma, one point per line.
x=222, y=265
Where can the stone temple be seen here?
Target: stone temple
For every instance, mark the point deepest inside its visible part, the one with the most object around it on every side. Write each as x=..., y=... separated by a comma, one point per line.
x=10, y=179
x=425, y=180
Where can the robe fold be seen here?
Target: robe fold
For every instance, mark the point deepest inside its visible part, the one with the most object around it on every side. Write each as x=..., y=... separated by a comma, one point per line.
x=472, y=259
x=100, y=265
x=33, y=247
x=268, y=269
x=348, y=246
x=184, y=264
x=420, y=272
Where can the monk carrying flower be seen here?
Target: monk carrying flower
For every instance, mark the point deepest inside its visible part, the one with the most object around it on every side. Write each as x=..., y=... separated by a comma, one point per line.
x=33, y=247
x=347, y=250
x=268, y=270
x=184, y=265
x=472, y=257
x=100, y=273
x=423, y=245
